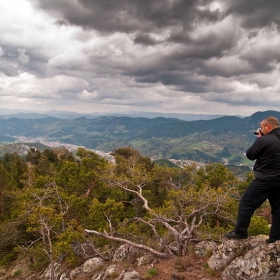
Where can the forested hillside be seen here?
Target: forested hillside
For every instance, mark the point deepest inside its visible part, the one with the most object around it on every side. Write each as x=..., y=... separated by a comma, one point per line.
x=50, y=199
x=223, y=139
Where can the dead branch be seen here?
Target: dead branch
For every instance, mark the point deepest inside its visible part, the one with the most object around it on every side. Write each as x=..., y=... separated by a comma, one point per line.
x=136, y=245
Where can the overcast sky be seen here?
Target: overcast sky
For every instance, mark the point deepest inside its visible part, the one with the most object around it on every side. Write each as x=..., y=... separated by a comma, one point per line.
x=169, y=56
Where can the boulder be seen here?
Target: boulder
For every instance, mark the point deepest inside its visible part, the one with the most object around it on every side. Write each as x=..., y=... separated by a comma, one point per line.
x=125, y=252
x=129, y=274
x=92, y=265
x=88, y=268
x=58, y=271
x=263, y=262
x=205, y=248
x=147, y=259
x=226, y=252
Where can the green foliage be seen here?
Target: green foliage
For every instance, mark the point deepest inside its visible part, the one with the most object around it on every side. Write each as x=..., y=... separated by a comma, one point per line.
x=17, y=273
x=161, y=178
x=73, y=235
x=150, y=274
x=33, y=156
x=101, y=213
x=47, y=203
x=217, y=175
x=129, y=157
x=15, y=166
x=140, y=232
x=50, y=155
x=38, y=257
x=258, y=225
x=191, y=197
x=209, y=231
x=9, y=257
x=6, y=184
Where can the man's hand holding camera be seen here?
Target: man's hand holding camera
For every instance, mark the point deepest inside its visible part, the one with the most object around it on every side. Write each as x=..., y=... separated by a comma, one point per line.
x=258, y=132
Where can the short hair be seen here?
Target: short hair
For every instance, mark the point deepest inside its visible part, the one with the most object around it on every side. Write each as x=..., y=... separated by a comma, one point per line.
x=272, y=121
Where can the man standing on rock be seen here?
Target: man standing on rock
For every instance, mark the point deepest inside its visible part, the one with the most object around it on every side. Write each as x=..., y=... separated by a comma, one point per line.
x=266, y=185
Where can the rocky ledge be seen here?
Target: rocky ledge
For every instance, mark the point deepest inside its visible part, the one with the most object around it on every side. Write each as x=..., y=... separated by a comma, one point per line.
x=252, y=258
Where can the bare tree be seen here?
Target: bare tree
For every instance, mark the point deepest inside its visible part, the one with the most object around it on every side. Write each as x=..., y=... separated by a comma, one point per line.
x=184, y=211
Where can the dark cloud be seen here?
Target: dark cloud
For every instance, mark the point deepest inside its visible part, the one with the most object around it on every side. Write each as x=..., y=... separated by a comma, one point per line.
x=18, y=58
x=198, y=28
x=144, y=39
x=255, y=14
x=13, y=60
x=126, y=51
x=124, y=15
x=151, y=23
x=129, y=16
x=7, y=68
x=264, y=58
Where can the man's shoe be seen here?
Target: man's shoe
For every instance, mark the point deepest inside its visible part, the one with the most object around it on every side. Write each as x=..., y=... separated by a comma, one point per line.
x=233, y=235
x=270, y=240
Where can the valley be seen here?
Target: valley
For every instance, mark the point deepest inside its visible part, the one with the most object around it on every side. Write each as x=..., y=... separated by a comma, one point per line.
x=221, y=140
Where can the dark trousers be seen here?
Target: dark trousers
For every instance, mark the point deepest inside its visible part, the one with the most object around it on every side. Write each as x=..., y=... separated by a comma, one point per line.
x=255, y=195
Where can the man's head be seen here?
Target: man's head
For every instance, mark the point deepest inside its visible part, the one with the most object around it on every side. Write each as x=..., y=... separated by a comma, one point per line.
x=269, y=124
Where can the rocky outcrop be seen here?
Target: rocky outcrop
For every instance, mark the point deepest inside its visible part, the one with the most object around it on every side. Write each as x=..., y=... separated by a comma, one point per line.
x=252, y=258
x=95, y=268
x=246, y=259
x=125, y=252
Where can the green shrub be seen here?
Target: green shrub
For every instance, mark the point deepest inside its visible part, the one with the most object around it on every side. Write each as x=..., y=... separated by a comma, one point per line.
x=39, y=259
x=258, y=226
x=152, y=272
x=17, y=273
x=5, y=259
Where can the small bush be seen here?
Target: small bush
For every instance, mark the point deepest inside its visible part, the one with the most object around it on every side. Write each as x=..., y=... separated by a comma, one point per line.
x=39, y=259
x=151, y=273
x=17, y=273
x=258, y=225
x=12, y=256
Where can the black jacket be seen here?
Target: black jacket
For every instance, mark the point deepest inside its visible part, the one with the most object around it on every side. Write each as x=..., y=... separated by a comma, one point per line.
x=266, y=151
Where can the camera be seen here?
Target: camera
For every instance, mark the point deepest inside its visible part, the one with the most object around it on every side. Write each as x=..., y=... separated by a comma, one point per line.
x=256, y=132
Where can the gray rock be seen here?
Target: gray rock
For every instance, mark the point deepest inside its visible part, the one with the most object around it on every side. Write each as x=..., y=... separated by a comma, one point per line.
x=204, y=248
x=129, y=274
x=88, y=268
x=226, y=252
x=110, y=271
x=75, y=273
x=263, y=262
x=125, y=252
x=99, y=276
x=64, y=276
x=92, y=265
x=145, y=260
x=58, y=271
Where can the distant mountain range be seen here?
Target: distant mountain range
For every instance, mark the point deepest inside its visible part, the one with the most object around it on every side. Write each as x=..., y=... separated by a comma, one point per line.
x=21, y=114
x=221, y=139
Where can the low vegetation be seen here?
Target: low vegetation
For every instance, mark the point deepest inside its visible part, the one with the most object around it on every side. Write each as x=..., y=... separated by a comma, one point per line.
x=58, y=206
